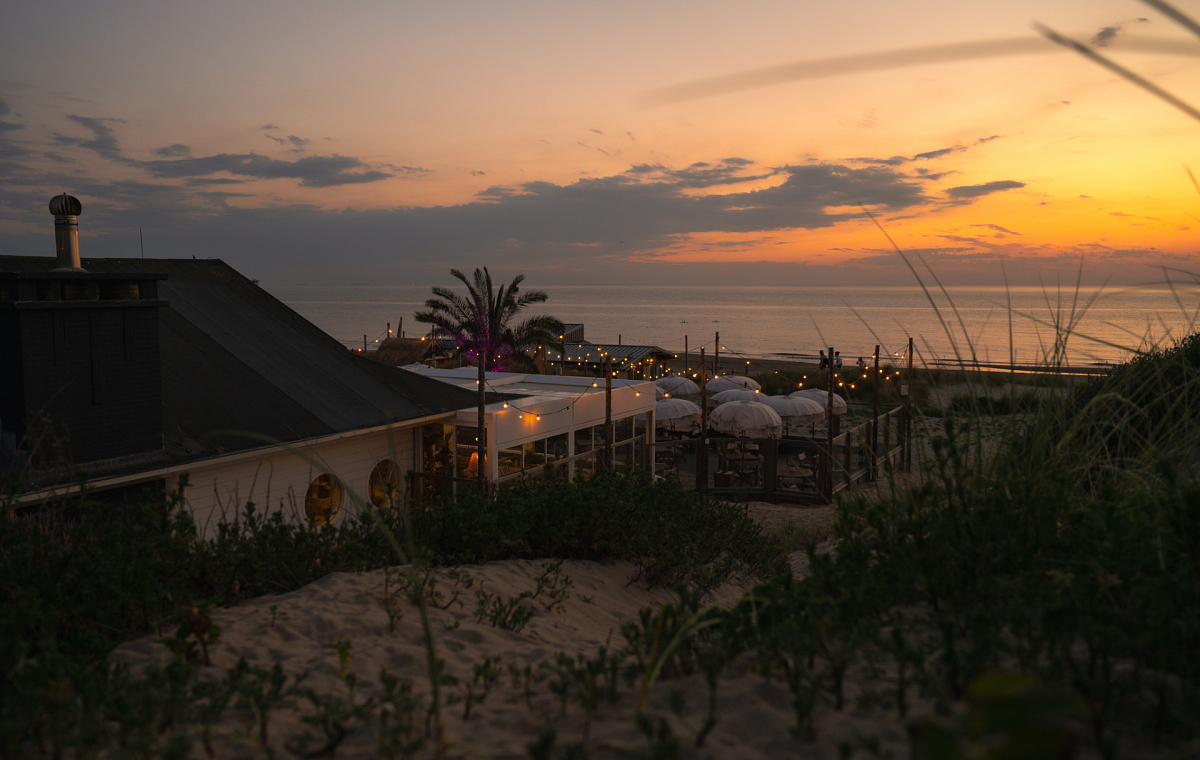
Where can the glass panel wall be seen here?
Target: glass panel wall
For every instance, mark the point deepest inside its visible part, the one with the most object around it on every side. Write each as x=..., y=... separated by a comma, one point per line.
x=436, y=456
x=467, y=455
x=556, y=448
x=509, y=461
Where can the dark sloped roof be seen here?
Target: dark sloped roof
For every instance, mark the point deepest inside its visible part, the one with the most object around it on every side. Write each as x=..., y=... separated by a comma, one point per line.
x=235, y=358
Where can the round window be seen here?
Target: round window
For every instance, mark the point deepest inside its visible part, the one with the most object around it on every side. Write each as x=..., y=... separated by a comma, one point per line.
x=384, y=485
x=323, y=500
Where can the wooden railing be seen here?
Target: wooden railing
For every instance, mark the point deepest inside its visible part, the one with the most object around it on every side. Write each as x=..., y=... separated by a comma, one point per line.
x=797, y=469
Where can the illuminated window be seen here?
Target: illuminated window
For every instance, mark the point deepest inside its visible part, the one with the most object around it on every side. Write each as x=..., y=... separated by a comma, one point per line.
x=383, y=486
x=323, y=500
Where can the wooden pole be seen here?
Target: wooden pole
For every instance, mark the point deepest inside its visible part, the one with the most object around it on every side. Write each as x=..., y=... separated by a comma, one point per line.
x=717, y=357
x=875, y=421
x=400, y=328
x=702, y=446
x=687, y=368
x=908, y=413
x=364, y=345
x=481, y=475
x=389, y=331
x=608, y=428
x=829, y=422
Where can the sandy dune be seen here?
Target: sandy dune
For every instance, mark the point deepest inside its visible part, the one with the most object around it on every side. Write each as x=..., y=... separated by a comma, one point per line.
x=295, y=629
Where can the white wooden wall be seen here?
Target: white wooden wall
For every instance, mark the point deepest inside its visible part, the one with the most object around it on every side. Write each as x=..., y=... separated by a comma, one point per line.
x=279, y=479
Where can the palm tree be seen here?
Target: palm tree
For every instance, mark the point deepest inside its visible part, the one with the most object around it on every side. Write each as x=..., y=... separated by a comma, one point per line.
x=480, y=324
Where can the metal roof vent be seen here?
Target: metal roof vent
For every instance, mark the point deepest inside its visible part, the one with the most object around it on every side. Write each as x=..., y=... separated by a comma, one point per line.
x=66, y=210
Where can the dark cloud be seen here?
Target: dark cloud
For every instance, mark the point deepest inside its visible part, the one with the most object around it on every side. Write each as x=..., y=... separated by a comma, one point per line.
x=597, y=132
x=1106, y=35
x=313, y=171
x=8, y=126
x=996, y=228
x=297, y=143
x=475, y=173
x=643, y=216
x=936, y=153
x=933, y=176
x=205, y=181
x=265, y=127
x=893, y=161
x=700, y=174
x=4, y=108
x=174, y=151
x=982, y=140
x=104, y=139
x=218, y=198
x=1119, y=213
x=898, y=160
x=408, y=170
x=975, y=191
x=497, y=192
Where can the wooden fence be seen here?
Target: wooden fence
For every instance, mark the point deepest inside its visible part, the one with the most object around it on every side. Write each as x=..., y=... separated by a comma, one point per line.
x=794, y=469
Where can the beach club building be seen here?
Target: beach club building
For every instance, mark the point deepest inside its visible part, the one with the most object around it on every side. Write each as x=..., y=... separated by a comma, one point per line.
x=544, y=423
x=140, y=371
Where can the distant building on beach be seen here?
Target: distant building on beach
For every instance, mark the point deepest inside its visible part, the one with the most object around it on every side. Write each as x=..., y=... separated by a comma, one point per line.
x=589, y=359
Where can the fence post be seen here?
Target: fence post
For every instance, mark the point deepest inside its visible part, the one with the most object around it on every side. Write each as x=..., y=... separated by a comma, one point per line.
x=702, y=446
x=908, y=412
x=887, y=441
x=875, y=422
x=608, y=427
x=830, y=420
x=770, y=468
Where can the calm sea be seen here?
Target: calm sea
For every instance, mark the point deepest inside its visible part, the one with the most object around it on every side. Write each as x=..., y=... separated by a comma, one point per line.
x=779, y=322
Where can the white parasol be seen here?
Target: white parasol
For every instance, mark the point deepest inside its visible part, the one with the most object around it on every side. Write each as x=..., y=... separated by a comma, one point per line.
x=821, y=397
x=679, y=415
x=735, y=394
x=731, y=382
x=794, y=407
x=677, y=385
x=795, y=411
x=746, y=419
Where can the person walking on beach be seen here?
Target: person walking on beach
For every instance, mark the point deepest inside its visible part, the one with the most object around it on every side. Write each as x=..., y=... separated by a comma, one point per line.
x=837, y=359
x=824, y=363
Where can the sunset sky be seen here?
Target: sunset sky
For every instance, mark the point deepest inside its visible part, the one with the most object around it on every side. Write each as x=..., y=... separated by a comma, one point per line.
x=386, y=142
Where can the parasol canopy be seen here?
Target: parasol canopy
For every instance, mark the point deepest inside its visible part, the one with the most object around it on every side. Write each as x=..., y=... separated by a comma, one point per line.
x=677, y=414
x=731, y=382
x=746, y=419
x=794, y=407
x=820, y=396
x=677, y=385
x=735, y=394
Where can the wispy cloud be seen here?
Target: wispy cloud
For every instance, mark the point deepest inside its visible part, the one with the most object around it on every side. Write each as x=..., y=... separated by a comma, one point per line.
x=312, y=171
x=974, y=191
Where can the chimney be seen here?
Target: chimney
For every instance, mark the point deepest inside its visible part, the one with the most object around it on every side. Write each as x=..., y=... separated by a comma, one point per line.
x=66, y=210
x=81, y=350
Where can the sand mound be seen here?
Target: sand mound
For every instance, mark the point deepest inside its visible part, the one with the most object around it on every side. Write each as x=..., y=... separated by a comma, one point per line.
x=296, y=629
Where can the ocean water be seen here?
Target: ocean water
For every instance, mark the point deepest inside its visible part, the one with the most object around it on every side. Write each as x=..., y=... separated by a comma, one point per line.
x=990, y=324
